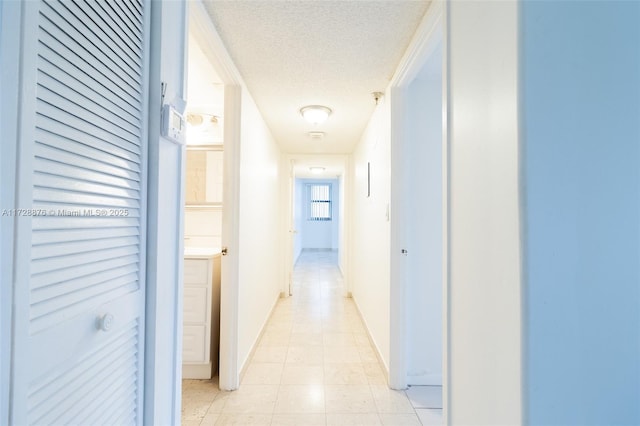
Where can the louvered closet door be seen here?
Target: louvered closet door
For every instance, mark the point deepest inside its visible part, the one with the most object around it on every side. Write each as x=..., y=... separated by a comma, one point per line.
x=79, y=300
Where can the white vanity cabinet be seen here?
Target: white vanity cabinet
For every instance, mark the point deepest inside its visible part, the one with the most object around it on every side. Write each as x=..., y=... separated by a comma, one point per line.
x=201, y=313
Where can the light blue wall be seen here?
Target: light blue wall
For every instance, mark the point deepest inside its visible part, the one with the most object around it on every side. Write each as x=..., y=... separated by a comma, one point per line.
x=320, y=234
x=581, y=165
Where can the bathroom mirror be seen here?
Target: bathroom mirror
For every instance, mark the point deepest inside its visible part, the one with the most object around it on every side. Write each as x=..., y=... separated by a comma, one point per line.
x=204, y=176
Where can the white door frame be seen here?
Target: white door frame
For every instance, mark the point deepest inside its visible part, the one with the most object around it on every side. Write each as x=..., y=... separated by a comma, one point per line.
x=10, y=53
x=202, y=28
x=431, y=32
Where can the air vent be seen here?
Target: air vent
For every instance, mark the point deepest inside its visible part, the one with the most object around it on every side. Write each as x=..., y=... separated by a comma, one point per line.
x=316, y=136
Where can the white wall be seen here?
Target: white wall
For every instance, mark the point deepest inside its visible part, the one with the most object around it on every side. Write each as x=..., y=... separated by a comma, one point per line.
x=370, y=229
x=425, y=222
x=581, y=124
x=260, y=245
x=319, y=234
x=165, y=241
x=484, y=253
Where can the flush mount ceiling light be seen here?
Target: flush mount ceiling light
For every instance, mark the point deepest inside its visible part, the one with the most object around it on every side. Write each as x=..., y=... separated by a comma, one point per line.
x=316, y=170
x=315, y=114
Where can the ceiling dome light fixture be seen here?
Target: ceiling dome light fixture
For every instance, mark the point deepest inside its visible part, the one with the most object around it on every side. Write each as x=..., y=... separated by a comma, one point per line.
x=316, y=170
x=315, y=114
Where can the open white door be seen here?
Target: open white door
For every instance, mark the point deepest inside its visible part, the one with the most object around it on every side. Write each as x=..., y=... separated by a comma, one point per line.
x=79, y=295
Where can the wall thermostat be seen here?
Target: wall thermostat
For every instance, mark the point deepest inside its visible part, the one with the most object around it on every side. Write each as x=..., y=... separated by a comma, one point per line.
x=173, y=125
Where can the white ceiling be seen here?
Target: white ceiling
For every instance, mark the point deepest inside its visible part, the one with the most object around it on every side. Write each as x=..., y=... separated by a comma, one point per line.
x=333, y=53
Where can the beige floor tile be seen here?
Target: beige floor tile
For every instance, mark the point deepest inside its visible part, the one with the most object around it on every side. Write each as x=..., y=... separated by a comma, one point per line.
x=251, y=399
x=244, y=419
x=334, y=326
x=341, y=355
x=362, y=339
x=344, y=374
x=270, y=354
x=210, y=419
x=300, y=374
x=219, y=401
x=300, y=399
x=310, y=355
x=197, y=422
x=353, y=420
x=306, y=339
x=298, y=420
x=195, y=409
x=349, y=399
x=308, y=327
x=367, y=354
x=275, y=338
x=400, y=419
x=338, y=339
x=375, y=374
x=263, y=374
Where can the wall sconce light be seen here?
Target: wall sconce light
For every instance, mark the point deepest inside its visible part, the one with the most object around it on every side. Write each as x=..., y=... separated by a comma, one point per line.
x=195, y=119
x=315, y=114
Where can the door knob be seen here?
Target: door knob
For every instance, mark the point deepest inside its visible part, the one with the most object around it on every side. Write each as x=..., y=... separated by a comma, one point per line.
x=105, y=322
x=224, y=251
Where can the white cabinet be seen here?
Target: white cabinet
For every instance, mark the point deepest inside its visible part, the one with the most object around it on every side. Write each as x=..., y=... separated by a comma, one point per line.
x=201, y=314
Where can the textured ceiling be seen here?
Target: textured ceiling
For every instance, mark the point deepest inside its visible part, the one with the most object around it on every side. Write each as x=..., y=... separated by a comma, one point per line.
x=333, y=53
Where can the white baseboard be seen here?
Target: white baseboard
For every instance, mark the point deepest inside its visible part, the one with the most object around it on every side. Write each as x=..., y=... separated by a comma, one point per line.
x=384, y=366
x=196, y=371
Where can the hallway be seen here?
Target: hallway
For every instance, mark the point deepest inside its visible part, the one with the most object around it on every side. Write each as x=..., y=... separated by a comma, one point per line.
x=314, y=365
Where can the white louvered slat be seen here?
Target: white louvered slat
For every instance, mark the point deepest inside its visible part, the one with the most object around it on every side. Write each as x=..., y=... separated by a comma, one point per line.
x=67, y=170
x=116, y=29
x=62, y=69
x=86, y=246
x=81, y=271
x=57, y=148
x=50, y=44
x=51, y=236
x=45, y=180
x=56, y=21
x=66, y=394
x=83, y=167
x=77, y=137
x=104, y=40
x=122, y=275
x=50, y=110
x=45, y=195
x=61, y=388
x=91, y=110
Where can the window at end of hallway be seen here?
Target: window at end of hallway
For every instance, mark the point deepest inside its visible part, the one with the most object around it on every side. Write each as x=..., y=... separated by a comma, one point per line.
x=319, y=202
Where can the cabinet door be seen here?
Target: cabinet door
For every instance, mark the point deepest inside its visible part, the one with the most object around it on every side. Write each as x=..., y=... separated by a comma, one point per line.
x=193, y=344
x=195, y=305
x=196, y=271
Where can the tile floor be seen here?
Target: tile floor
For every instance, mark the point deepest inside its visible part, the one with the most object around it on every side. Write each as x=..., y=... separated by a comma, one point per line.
x=314, y=365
